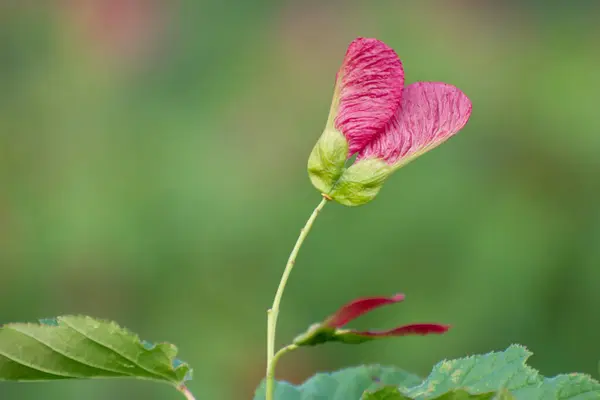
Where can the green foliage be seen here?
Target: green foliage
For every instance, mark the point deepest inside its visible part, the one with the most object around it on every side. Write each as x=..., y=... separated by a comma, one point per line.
x=503, y=370
x=393, y=393
x=346, y=384
x=503, y=395
x=80, y=347
x=493, y=376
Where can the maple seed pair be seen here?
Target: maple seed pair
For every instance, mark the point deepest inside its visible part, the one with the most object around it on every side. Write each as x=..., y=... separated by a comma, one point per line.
x=331, y=330
x=381, y=121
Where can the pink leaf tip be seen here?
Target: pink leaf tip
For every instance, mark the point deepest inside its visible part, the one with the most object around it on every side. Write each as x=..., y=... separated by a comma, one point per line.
x=358, y=307
x=411, y=329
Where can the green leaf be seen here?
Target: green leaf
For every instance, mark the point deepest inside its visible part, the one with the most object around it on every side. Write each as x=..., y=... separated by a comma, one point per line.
x=393, y=393
x=347, y=384
x=503, y=395
x=498, y=371
x=465, y=395
x=386, y=393
x=327, y=159
x=79, y=347
x=493, y=376
x=360, y=183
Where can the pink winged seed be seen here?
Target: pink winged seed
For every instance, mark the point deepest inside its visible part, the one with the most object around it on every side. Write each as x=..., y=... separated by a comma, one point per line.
x=431, y=113
x=370, y=89
x=359, y=307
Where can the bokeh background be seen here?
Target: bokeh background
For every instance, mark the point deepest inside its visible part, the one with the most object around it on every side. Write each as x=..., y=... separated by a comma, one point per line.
x=153, y=171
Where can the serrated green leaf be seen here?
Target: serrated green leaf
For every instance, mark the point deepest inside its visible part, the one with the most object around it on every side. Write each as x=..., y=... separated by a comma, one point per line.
x=360, y=183
x=80, y=347
x=504, y=395
x=386, y=393
x=393, y=393
x=327, y=159
x=346, y=384
x=505, y=370
x=493, y=376
x=465, y=395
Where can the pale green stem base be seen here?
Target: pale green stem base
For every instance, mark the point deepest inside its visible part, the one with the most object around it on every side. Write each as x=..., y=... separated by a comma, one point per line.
x=186, y=392
x=270, y=381
x=273, y=312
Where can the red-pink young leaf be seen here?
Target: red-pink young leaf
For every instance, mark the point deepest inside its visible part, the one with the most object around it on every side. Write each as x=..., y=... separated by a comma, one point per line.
x=368, y=91
x=412, y=329
x=431, y=112
x=351, y=336
x=357, y=308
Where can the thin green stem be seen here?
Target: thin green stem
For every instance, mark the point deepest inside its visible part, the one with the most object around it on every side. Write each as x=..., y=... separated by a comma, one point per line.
x=186, y=392
x=273, y=312
x=271, y=371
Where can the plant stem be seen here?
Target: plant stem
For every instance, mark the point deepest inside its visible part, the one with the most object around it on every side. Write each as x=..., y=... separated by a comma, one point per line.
x=271, y=370
x=273, y=312
x=186, y=392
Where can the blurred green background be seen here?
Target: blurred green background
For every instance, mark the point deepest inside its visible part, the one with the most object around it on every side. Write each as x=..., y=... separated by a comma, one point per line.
x=153, y=171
